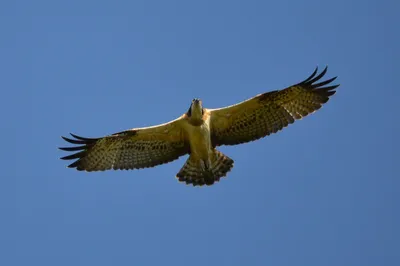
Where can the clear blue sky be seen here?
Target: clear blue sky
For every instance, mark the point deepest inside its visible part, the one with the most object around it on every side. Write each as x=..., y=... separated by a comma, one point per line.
x=325, y=191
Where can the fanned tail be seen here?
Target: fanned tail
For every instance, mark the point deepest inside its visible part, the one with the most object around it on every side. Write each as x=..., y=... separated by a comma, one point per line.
x=197, y=173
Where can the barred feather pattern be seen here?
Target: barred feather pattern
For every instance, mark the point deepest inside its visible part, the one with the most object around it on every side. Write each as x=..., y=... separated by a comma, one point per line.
x=194, y=173
x=121, y=152
x=269, y=112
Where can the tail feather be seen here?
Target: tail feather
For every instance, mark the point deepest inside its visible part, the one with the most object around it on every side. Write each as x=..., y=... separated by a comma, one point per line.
x=197, y=173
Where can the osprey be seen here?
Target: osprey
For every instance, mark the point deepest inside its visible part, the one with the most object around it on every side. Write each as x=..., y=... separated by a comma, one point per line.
x=199, y=131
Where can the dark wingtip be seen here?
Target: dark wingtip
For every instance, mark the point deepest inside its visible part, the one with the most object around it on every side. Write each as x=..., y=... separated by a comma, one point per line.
x=76, y=148
x=323, y=83
x=73, y=141
x=314, y=79
x=310, y=84
x=81, y=150
x=311, y=76
x=82, y=138
x=79, y=140
x=77, y=155
x=330, y=93
x=74, y=165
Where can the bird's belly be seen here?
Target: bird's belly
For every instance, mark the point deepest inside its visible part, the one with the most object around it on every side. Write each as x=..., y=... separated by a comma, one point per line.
x=200, y=141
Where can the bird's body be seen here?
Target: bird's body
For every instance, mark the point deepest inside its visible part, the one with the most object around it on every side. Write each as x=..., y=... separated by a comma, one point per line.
x=199, y=131
x=199, y=138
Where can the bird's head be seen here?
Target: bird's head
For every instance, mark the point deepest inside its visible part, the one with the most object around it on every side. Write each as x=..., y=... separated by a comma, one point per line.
x=196, y=109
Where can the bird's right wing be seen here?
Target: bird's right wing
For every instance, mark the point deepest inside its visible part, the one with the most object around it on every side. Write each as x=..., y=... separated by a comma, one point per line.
x=130, y=149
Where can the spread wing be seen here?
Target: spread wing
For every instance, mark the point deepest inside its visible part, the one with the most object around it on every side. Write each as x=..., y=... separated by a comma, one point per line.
x=130, y=149
x=269, y=112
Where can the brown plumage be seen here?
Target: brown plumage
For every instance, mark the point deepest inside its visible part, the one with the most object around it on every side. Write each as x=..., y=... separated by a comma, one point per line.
x=199, y=131
x=269, y=112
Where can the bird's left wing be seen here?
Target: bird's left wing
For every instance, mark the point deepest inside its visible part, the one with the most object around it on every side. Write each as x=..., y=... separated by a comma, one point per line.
x=130, y=149
x=269, y=112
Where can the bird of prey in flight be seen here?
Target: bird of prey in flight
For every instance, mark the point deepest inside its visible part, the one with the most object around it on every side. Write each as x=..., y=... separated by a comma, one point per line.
x=200, y=131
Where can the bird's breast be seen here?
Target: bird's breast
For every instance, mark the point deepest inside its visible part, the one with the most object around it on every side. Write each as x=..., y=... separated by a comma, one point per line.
x=200, y=141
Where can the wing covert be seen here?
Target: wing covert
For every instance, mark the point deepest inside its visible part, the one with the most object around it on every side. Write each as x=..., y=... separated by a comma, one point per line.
x=269, y=112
